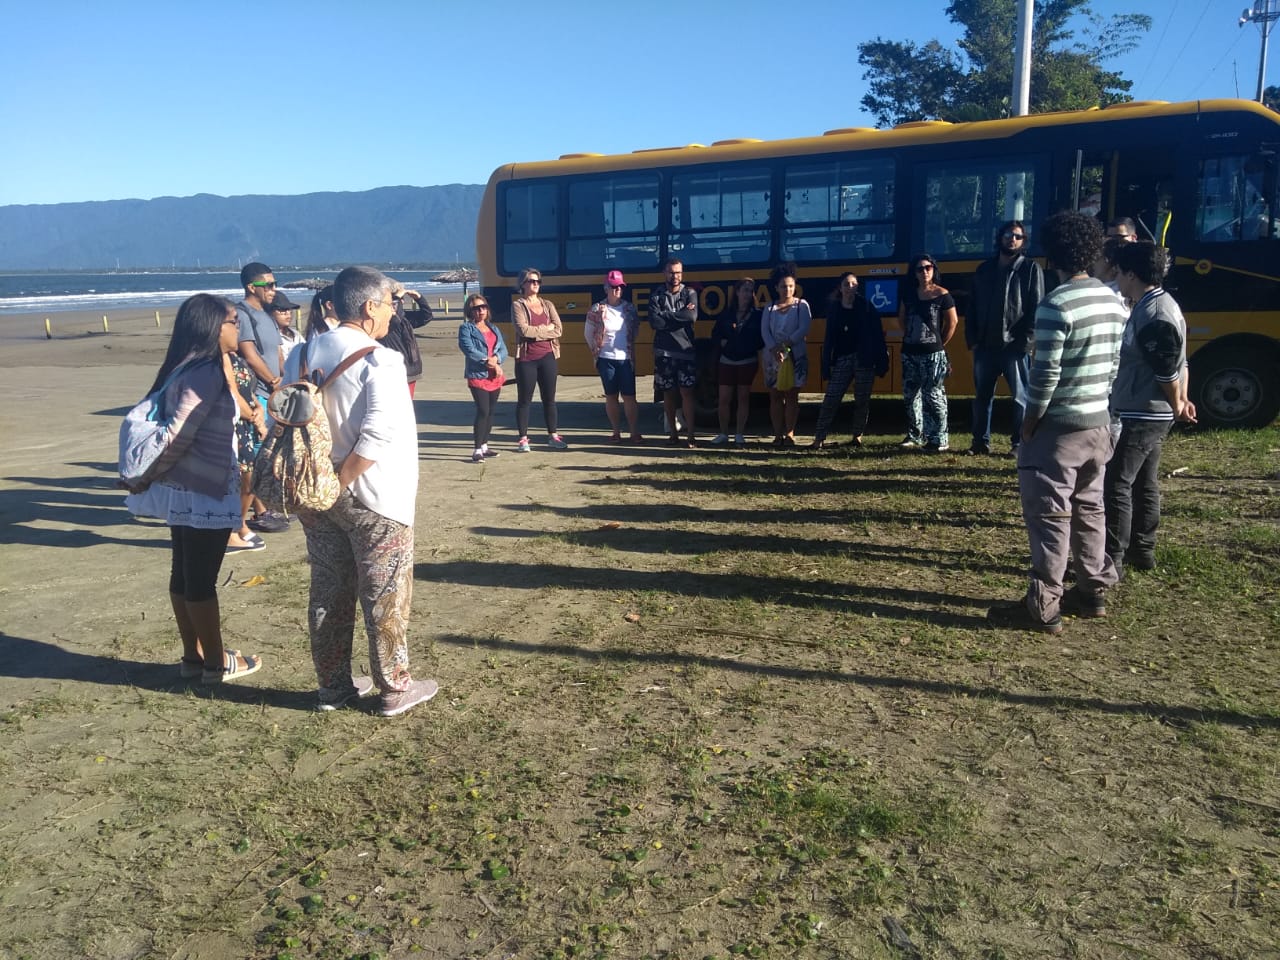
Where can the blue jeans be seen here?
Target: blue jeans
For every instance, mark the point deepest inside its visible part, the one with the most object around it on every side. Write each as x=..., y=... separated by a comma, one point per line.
x=989, y=365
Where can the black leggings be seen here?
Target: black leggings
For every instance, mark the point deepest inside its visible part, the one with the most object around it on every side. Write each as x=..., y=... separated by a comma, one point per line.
x=543, y=373
x=197, y=558
x=486, y=403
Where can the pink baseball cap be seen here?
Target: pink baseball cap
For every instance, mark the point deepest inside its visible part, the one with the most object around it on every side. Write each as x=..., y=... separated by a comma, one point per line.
x=614, y=279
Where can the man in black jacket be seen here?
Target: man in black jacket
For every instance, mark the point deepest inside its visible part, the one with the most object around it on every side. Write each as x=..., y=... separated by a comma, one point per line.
x=998, y=328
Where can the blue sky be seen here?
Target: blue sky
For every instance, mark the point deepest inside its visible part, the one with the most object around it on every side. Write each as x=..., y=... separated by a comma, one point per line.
x=137, y=99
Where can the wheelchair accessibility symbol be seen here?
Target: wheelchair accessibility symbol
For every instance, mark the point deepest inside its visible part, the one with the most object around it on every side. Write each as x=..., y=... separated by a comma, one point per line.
x=883, y=295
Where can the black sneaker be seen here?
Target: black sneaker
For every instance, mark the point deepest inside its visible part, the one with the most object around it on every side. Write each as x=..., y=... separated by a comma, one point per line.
x=1016, y=616
x=269, y=522
x=932, y=447
x=1077, y=603
x=1140, y=560
x=978, y=450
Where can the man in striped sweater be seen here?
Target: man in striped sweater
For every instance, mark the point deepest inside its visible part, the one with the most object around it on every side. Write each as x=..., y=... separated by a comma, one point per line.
x=1066, y=438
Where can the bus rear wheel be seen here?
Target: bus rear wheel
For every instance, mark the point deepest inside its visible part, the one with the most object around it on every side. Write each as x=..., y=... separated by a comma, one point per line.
x=1236, y=386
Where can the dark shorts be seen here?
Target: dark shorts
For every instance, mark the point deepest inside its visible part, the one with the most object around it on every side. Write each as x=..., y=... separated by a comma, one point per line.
x=736, y=374
x=617, y=376
x=670, y=372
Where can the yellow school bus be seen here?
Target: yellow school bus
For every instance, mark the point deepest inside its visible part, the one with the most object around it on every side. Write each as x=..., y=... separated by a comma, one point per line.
x=1199, y=177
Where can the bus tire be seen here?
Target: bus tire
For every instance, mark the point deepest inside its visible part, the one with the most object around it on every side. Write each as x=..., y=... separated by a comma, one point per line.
x=1236, y=384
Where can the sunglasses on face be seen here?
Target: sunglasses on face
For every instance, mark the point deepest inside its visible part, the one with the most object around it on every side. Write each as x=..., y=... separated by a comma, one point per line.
x=924, y=267
x=263, y=284
x=1008, y=235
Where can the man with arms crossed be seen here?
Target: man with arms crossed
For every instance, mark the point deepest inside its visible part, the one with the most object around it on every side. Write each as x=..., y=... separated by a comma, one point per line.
x=259, y=347
x=1002, y=313
x=362, y=547
x=673, y=308
x=1066, y=433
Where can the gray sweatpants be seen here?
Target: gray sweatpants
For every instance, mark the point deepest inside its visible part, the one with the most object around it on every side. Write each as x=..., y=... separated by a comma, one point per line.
x=1060, y=477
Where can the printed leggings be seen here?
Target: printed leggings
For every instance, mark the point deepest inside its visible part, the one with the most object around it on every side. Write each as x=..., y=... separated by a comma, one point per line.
x=923, y=376
x=844, y=371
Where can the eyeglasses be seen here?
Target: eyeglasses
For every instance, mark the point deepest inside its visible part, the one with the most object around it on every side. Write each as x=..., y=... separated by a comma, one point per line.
x=616, y=286
x=923, y=267
x=537, y=280
x=264, y=284
x=230, y=320
x=479, y=306
x=1010, y=235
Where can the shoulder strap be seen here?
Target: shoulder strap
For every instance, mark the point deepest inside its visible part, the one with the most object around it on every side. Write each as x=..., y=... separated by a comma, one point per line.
x=342, y=368
x=243, y=307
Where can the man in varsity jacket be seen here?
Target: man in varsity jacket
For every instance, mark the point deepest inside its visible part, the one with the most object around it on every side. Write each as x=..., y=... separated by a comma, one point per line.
x=1150, y=392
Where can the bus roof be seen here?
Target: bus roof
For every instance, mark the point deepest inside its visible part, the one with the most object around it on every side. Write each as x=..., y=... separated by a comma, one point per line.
x=863, y=138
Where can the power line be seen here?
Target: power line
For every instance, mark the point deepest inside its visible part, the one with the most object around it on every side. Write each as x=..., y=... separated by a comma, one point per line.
x=1159, y=43
x=1175, y=62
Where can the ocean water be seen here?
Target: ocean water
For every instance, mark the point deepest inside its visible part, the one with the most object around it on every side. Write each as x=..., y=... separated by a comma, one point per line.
x=51, y=293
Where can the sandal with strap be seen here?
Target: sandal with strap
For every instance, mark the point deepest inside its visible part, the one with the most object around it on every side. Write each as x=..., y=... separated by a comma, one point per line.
x=191, y=668
x=232, y=669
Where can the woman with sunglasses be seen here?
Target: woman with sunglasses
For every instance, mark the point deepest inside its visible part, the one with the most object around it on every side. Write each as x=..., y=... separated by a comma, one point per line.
x=194, y=485
x=610, y=330
x=482, y=344
x=538, y=333
x=927, y=316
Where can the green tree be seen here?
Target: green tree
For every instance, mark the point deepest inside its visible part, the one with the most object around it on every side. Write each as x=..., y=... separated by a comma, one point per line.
x=1070, y=42
x=1271, y=97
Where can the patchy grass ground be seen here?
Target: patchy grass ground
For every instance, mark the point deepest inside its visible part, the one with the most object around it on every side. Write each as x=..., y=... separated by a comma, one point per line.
x=701, y=706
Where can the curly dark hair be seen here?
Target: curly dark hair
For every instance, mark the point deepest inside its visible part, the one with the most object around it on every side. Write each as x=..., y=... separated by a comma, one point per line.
x=1144, y=260
x=1071, y=240
x=787, y=269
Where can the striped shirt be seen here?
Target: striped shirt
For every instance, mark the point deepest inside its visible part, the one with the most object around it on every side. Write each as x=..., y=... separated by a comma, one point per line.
x=1077, y=350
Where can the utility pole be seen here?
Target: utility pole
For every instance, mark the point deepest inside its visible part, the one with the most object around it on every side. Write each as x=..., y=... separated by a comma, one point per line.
x=1021, y=99
x=1264, y=14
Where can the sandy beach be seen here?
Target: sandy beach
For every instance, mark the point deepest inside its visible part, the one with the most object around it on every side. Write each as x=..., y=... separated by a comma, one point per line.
x=76, y=568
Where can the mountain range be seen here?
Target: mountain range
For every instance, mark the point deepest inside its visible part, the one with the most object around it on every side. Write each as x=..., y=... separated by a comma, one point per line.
x=386, y=225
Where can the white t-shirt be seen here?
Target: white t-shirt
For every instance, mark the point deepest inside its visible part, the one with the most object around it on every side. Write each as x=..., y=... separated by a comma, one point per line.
x=370, y=412
x=615, y=339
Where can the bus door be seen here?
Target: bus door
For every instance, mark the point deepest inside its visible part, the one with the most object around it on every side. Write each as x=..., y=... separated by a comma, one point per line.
x=1142, y=189
x=1134, y=183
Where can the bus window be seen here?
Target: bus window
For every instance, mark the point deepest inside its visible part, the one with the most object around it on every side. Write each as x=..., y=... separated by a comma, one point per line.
x=838, y=211
x=966, y=200
x=531, y=220
x=720, y=215
x=1236, y=199
x=613, y=223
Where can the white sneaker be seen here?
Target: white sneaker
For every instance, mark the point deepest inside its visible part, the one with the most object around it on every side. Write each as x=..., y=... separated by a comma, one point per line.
x=397, y=702
x=720, y=439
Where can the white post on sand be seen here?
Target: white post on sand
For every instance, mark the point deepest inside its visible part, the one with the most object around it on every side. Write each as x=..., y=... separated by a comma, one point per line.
x=48, y=331
x=157, y=319
x=105, y=328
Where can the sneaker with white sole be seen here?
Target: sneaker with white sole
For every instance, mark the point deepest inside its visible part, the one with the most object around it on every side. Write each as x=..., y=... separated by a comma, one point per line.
x=329, y=699
x=396, y=702
x=522, y=445
x=477, y=457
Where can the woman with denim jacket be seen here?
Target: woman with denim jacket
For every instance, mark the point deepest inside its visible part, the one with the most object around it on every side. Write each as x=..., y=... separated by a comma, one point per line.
x=482, y=344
